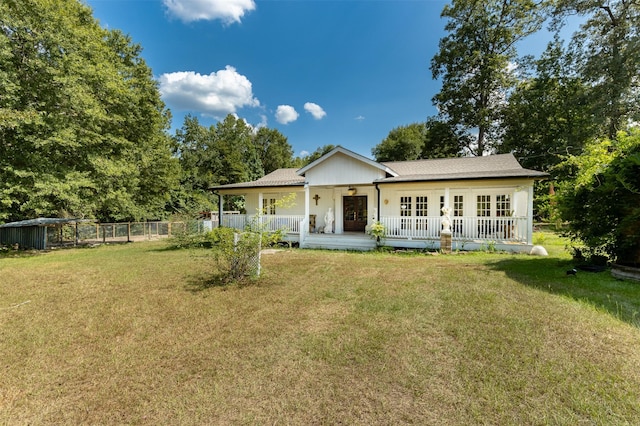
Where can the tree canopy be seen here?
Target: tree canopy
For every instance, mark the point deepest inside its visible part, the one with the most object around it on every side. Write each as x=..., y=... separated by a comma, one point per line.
x=228, y=152
x=82, y=125
x=607, y=56
x=432, y=139
x=548, y=116
x=475, y=63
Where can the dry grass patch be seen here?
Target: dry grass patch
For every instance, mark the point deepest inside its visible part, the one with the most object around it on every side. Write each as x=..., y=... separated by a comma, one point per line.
x=134, y=334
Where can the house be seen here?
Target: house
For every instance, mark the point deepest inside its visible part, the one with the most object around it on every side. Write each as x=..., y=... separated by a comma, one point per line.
x=339, y=196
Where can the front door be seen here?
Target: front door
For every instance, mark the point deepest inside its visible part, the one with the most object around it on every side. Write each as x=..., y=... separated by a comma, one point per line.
x=355, y=213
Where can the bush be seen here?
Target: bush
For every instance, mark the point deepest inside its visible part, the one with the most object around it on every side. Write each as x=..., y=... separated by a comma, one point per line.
x=602, y=204
x=378, y=232
x=237, y=255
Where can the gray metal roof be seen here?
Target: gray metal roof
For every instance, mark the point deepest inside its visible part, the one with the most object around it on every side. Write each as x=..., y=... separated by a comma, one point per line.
x=280, y=177
x=486, y=167
x=462, y=168
x=43, y=221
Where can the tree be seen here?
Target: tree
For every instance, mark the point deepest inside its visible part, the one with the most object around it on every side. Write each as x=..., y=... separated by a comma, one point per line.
x=239, y=157
x=273, y=148
x=228, y=152
x=607, y=50
x=432, y=139
x=315, y=155
x=602, y=205
x=443, y=140
x=475, y=62
x=83, y=128
x=402, y=143
x=194, y=147
x=548, y=115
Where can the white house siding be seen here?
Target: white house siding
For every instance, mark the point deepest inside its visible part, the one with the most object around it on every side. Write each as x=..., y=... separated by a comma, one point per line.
x=252, y=200
x=407, y=230
x=326, y=201
x=342, y=170
x=517, y=190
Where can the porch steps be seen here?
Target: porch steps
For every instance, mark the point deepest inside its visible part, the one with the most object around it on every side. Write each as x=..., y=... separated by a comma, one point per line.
x=347, y=241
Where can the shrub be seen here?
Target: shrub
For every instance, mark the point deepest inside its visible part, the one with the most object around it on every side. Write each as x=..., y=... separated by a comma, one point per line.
x=602, y=204
x=378, y=232
x=237, y=254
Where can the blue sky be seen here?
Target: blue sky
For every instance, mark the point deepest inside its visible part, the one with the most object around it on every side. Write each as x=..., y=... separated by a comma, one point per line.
x=320, y=71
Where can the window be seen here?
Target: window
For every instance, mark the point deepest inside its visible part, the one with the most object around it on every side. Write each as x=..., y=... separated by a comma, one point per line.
x=405, y=212
x=421, y=206
x=269, y=205
x=405, y=206
x=484, y=205
x=422, y=211
x=503, y=205
x=458, y=211
x=441, y=204
x=458, y=204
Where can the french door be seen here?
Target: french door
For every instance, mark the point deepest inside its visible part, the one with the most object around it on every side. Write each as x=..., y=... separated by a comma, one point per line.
x=355, y=213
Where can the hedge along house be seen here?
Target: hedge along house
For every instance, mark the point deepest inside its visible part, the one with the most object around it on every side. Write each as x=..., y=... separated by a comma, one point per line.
x=490, y=199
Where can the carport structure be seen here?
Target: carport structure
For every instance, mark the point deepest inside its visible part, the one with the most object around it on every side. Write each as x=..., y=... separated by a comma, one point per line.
x=33, y=233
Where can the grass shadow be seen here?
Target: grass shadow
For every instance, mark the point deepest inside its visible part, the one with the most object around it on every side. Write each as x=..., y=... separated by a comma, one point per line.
x=202, y=282
x=620, y=298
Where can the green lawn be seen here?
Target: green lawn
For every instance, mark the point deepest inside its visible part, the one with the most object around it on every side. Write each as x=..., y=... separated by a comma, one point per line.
x=137, y=334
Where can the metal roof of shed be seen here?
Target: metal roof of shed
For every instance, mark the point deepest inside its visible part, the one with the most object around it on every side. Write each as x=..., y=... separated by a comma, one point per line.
x=43, y=221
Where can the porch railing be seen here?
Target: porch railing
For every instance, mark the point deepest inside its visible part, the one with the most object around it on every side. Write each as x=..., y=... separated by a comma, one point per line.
x=507, y=229
x=269, y=222
x=235, y=221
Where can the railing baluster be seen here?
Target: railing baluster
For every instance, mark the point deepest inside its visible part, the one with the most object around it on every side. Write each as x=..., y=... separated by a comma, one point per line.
x=463, y=227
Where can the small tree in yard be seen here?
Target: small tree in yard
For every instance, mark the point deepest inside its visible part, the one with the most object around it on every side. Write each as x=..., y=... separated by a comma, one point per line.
x=237, y=254
x=602, y=204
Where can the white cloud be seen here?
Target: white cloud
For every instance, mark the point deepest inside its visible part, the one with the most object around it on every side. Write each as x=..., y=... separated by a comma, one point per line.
x=263, y=122
x=359, y=118
x=218, y=94
x=228, y=11
x=260, y=125
x=304, y=153
x=315, y=110
x=285, y=114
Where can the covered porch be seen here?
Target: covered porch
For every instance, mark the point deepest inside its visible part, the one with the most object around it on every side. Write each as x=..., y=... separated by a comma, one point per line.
x=468, y=233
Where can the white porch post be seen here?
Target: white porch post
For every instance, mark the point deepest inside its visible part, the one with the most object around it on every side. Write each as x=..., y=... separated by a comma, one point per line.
x=530, y=214
x=306, y=201
x=446, y=198
x=260, y=204
x=304, y=225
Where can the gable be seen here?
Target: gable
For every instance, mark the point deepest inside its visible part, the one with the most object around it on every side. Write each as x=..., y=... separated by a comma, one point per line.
x=343, y=169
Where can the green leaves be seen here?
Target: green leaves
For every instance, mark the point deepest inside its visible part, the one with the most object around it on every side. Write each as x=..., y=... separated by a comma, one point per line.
x=602, y=204
x=607, y=53
x=82, y=125
x=229, y=152
x=432, y=139
x=473, y=62
x=402, y=143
